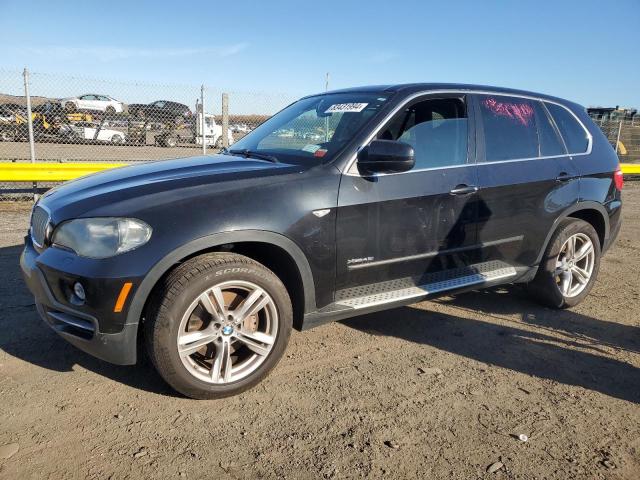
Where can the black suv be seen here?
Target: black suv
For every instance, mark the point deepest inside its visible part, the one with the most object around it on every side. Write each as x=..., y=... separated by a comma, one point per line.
x=161, y=111
x=403, y=193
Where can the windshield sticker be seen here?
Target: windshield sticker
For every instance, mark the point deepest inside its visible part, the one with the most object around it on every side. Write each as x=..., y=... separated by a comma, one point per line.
x=346, y=107
x=311, y=148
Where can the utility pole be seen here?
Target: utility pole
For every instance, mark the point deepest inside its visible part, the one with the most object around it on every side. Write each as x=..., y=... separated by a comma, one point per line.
x=326, y=119
x=32, y=143
x=203, y=122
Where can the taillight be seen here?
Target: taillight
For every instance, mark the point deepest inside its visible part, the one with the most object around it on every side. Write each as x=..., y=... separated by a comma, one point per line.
x=618, y=179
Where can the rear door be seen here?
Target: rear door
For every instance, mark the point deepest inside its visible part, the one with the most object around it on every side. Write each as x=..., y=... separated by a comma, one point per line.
x=525, y=175
x=393, y=226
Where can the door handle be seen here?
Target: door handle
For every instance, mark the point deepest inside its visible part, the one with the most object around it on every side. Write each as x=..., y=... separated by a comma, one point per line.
x=563, y=177
x=463, y=190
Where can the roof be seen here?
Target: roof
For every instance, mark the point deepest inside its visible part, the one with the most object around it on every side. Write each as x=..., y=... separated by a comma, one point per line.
x=409, y=88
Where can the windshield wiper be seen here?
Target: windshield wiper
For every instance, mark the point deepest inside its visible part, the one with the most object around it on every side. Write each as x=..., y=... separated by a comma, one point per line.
x=251, y=154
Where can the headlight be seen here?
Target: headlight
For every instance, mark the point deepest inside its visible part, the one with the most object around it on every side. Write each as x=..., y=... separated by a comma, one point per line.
x=101, y=237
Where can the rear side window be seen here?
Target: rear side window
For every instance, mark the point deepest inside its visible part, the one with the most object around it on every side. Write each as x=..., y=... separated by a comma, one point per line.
x=575, y=136
x=509, y=125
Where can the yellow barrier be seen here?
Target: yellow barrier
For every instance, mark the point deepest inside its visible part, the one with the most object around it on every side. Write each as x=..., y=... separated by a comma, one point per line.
x=630, y=168
x=60, y=172
x=51, y=172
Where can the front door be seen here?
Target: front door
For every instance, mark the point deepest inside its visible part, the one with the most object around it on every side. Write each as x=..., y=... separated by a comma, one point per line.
x=398, y=226
x=86, y=102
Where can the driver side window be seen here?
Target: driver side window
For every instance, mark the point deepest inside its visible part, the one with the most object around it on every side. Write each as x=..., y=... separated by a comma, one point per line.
x=435, y=128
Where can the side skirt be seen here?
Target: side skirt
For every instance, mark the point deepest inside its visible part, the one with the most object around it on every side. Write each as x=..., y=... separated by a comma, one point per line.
x=405, y=291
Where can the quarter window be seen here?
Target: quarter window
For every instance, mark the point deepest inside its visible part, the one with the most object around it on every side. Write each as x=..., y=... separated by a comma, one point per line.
x=575, y=136
x=435, y=128
x=550, y=141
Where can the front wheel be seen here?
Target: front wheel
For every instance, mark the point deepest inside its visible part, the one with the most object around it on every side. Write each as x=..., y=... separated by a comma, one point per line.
x=217, y=325
x=570, y=265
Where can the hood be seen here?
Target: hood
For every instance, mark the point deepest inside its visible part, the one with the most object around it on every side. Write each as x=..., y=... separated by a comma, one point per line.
x=154, y=178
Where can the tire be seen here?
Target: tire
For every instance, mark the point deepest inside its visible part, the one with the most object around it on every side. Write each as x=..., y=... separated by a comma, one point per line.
x=7, y=136
x=70, y=107
x=117, y=140
x=549, y=287
x=177, y=317
x=110, y=110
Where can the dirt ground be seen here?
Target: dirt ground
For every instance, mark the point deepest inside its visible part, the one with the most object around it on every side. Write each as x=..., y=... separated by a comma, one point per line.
x=436, y=390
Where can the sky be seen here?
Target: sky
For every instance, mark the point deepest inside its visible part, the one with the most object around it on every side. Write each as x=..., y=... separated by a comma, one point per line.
x=582, y=50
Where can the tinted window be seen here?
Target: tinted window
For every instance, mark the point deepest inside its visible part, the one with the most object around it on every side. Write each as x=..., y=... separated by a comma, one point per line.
x=575, y=137
x=313, y=129
x=550, y=141
x=509, y=127
x=435, y=128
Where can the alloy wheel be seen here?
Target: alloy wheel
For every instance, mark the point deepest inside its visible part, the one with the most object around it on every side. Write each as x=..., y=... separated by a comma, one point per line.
x=227, y=332
x=574, y=264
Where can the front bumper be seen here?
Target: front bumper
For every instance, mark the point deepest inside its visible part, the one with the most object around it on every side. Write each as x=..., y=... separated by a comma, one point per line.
x=80, y=328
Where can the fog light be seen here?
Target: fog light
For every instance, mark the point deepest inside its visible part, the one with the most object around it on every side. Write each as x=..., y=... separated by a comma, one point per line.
x=78, y=290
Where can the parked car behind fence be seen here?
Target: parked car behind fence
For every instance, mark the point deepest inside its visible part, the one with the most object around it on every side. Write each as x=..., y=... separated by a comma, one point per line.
x=93, y=101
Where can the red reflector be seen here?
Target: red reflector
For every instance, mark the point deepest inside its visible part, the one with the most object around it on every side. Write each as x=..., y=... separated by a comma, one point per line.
x=618, y=179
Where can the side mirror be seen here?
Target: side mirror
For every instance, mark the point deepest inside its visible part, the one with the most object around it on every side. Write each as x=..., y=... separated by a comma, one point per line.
x=386, y=156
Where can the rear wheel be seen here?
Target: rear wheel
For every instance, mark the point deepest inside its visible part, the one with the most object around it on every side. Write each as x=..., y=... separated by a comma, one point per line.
x=217, y=325
x=117, y=140
x=570, y=265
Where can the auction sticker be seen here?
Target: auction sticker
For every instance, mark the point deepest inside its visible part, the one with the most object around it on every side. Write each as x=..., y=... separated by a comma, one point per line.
x=311, y=148
x=346, y=107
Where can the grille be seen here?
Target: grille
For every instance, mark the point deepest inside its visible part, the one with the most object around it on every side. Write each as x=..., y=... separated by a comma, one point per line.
x=39, y=221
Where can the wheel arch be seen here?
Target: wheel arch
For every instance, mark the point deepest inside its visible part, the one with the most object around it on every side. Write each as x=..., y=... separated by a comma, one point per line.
x=591, y=212
x=275, y=251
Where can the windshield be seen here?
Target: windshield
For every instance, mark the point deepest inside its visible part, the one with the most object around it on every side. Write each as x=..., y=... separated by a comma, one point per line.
x=313, y=129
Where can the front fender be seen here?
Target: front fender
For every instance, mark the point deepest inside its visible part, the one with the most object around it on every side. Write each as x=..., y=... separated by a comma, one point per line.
x=211, y=241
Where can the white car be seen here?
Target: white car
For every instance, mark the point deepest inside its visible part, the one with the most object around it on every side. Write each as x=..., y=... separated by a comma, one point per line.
x=92, y=101
x=90, y=131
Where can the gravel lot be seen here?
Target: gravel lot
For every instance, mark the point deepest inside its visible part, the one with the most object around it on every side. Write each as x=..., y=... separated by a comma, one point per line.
x=436, y=390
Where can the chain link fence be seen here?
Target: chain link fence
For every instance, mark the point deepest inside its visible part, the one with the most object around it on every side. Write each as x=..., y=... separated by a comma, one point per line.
x=81, y=119
x=624, y=136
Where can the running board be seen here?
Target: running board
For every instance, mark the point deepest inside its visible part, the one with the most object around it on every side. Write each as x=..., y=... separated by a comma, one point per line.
x=406, y=289
x=380, y=296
